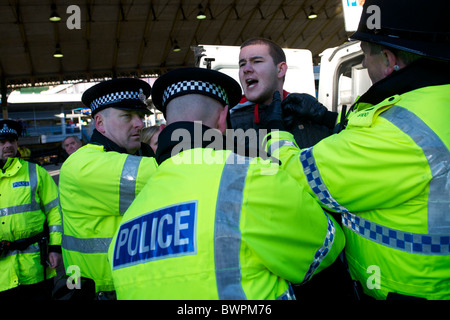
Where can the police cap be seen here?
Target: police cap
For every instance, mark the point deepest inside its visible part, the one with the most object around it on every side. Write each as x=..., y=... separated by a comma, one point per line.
x=414, y=26
x=10, y=129
x=120, y=93
x=211, y=83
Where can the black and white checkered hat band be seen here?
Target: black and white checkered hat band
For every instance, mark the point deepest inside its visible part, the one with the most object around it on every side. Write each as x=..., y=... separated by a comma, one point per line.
x=114, y=98
x=6, y=130
x=193, y=86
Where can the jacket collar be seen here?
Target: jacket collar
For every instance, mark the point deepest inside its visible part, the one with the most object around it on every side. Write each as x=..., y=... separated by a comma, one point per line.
x=99, y=139
x=419, y=74
x=11, y=166
x=194, y=138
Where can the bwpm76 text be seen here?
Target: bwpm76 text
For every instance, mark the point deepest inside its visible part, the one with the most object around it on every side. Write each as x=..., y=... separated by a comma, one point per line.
x=226, y=309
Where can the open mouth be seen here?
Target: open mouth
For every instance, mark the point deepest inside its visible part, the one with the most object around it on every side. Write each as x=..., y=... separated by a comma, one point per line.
x=251, y=83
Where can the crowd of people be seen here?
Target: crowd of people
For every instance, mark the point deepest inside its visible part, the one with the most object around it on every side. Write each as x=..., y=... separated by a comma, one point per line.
x=353, y=209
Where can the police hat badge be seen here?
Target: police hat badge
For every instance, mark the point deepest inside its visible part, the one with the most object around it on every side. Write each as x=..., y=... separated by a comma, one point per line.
x=10, y=129
x=120, y=93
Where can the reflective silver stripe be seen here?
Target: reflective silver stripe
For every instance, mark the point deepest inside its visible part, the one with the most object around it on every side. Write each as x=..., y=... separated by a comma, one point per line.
x=90, y=245
x=32, y=172
x=52, y=204
x=34, y=248
x=55, y=228
x=323, y=251
x=18, y=209
x=128, y=182
x=227, y=235
x=33, y=205
x=126, y=197
x=439, y=161
x=281, y=143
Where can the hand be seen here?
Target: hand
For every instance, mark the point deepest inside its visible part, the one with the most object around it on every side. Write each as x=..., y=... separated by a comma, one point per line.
x=274, y=118
x=303, y=105
x=55, y=259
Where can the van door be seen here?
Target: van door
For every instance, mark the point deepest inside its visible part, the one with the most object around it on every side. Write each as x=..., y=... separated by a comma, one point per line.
x=342, y=77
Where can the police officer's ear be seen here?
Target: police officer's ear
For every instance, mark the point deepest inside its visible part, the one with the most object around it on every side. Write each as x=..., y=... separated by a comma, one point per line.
x=99, y=121
x=391, y=61
x=222, y=122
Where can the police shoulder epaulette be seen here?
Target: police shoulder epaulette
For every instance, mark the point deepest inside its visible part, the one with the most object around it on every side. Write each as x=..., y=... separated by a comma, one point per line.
x=367, y=116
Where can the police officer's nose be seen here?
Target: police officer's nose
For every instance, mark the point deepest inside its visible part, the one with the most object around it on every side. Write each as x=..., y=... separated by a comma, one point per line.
x=7, y=144
x=138, y=122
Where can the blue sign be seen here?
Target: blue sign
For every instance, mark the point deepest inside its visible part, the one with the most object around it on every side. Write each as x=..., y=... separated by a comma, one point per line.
x=21, y=184
x=160, y=234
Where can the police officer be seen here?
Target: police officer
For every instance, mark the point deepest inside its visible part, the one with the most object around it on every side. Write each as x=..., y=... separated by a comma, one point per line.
x=219, y=225
x=100, y=180
x=30, y=222
x=387, y=173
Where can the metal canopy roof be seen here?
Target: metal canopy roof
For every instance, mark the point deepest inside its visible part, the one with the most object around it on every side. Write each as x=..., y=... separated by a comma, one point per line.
x=136, y=37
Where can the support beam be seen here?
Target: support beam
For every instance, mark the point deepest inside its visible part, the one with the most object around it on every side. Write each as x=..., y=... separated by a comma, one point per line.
x=280, y=8
x=4, y=93
x=120, y=19
x=89, y=9
x=227, y=19
x=58, y=60
x=150, y=17
x=239, y=38
x=292, y=19
x=323, y=27
x=308, y=23
x=170, y=39
x=19, y=21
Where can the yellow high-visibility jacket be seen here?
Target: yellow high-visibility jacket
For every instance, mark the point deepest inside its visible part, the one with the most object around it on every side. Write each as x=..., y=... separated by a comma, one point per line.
x=28, y=200
x=388, y=175
x=211, y=224
x=96, y=188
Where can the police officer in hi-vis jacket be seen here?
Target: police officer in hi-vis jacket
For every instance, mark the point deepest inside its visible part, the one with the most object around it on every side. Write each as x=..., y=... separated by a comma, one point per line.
x=218, y=225
x=30, y=223
x=387, y=172
x=99, y=181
